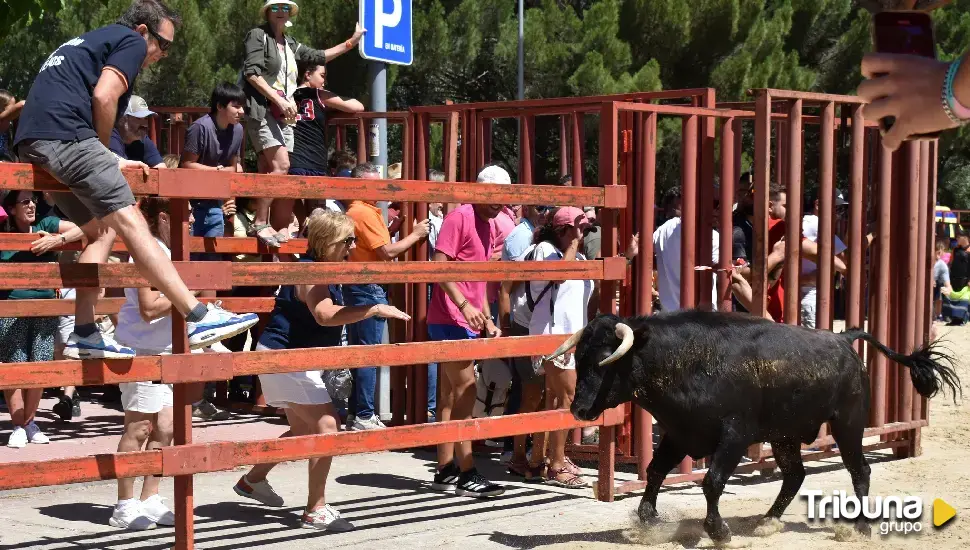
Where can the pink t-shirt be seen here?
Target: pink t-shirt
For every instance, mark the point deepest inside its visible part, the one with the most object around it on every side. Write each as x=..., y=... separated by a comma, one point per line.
x=501, y=226
x=464, y=237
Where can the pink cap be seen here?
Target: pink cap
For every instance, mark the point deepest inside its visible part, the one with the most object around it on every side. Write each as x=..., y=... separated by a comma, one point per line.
x=570, y=215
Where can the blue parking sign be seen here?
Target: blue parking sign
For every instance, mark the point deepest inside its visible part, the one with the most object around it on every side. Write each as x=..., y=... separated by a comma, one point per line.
x=388, y=25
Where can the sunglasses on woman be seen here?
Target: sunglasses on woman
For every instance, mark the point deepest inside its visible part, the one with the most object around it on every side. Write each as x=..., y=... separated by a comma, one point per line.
x=349, y=241
x=285, y=8
x=163, y=43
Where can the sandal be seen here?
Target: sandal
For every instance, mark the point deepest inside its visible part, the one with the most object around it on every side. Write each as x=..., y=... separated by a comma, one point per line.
x=282, y=236
x=270, y=241
x=563, y=478
x=572, y=468
x=531, y=474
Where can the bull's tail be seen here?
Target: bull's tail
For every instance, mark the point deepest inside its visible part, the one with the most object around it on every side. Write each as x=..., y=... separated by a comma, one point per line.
x=930, y=368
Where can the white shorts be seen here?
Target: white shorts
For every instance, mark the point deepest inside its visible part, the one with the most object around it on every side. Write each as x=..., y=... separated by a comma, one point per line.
x=145, y=397
x=298, y=388
x=65, y=326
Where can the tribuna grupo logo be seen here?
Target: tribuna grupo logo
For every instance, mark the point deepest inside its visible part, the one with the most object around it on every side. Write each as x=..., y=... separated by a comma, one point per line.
x=895, y=514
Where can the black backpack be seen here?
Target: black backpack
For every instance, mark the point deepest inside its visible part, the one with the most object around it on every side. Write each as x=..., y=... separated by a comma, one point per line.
x=530, y=301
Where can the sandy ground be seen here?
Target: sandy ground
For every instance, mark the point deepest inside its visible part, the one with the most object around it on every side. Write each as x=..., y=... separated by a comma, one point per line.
x=386, y=495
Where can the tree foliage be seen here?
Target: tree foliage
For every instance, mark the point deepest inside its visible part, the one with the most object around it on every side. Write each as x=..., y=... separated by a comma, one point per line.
x=466, y=50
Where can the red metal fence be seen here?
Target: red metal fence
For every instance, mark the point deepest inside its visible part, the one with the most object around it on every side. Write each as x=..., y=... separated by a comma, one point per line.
x=892, y=296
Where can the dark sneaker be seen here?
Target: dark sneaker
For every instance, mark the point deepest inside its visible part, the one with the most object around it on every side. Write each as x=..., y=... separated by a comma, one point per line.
x=326, y=519
x=208, y=411
x=447, y=478
x=64, y=408
x=474, y=484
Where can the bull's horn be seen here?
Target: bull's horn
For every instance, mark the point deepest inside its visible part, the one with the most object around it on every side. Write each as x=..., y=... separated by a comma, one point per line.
x=626, y=334
x=566, y=346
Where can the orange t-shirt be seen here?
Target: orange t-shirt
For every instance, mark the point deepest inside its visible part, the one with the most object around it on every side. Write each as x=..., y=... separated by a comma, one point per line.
x=370, y=230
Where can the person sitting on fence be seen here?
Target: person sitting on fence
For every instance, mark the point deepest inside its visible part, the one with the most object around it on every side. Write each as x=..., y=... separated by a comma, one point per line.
x=559, y=307
x=65, y=129
x=459, y=311
x=309, y=154
x=129, y=138
x=941, y=280
x=269, y=78
x=311, y=316
x=29, y=339
x=955, y=306
x=214, y=142
x=374, y=245
x=145, y=324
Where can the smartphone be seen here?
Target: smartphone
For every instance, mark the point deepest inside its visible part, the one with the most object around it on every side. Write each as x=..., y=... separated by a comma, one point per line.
x=903, y=32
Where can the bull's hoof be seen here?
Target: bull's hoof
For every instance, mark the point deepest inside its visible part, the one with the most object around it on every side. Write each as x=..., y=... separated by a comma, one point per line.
x=719, y=531
x=864, y=529
x=647, y=512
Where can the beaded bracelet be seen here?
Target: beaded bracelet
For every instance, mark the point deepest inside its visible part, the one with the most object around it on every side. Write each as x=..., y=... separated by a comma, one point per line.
x=956, y=111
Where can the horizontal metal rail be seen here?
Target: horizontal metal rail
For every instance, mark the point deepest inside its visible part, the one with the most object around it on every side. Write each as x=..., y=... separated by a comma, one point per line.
x=225, y=275
x=199, y=184
x=111, y=306
x=198, y=367
x=220, y=245
x=227, y=455
x=529, y=105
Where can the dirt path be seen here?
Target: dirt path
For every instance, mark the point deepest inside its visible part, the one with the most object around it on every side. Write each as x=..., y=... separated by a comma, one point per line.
x=942, y=471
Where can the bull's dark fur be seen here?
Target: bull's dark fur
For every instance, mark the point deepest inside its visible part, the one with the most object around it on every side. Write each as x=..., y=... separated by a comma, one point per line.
x=720, y=382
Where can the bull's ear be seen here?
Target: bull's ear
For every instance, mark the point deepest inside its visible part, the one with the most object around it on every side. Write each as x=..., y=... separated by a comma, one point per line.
x=641, y=334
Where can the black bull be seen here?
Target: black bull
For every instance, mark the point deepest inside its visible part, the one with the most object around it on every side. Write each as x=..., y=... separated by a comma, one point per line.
x=720, y=382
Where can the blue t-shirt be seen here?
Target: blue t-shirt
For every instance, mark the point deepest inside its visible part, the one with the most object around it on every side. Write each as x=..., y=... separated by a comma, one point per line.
x=518, y=241
x=59, y=103
x=142, y=150
x=214, y=147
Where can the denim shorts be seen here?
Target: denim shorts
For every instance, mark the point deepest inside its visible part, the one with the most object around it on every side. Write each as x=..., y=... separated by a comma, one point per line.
x=88, y=169
x=209, y=222
x=441, y=333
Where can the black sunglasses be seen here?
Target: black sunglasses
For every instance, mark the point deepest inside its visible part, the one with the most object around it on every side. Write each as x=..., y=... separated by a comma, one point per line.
x=285, y=8
x=163, y=43
x=25, y=202
x=349, y=241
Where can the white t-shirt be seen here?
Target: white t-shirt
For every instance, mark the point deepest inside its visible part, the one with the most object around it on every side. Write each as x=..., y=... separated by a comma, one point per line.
x=810, y=232
x=435, y=222
x=571, y=298
x=335, y=206
x=134, y=332
x=666, y=246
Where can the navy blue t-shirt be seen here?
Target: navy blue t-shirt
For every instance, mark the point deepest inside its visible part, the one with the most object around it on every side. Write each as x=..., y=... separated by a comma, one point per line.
x=142, y=150
x=59, y=103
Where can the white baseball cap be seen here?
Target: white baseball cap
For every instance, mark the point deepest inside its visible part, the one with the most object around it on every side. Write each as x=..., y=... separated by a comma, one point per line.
x=138, y=107
x=494, y=174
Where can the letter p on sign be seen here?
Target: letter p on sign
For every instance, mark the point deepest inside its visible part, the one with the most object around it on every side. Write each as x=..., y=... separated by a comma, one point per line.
x=383, y=19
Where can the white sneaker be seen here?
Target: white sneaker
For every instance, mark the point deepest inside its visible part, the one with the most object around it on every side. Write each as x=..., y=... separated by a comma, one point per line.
x=362, y=424
x=96, y=346
x=18, y=438
x=129, y=515
x=260, y=492
x=34, y=435
x=326, y=519
x=155, y=509
x=217, y=325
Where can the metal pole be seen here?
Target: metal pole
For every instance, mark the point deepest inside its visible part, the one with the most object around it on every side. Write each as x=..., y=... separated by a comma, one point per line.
x=377, y=77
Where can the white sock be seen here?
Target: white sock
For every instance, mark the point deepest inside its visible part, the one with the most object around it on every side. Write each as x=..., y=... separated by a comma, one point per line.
x=126, y=502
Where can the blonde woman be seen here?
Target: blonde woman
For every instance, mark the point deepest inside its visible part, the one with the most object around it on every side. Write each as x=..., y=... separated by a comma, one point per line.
x=310, y=316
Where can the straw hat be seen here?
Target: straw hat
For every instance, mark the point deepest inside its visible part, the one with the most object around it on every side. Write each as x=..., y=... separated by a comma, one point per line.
x=294, y=8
